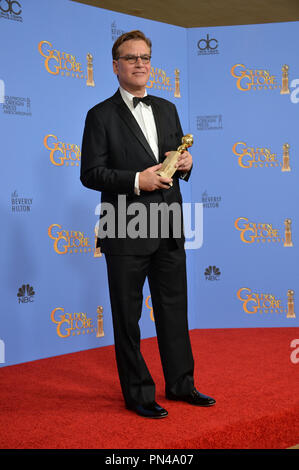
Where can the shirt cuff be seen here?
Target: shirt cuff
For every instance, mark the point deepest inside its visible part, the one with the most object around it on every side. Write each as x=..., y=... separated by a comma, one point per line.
x=136, y=185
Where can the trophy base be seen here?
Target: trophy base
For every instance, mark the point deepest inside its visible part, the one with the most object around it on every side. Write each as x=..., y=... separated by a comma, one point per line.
x=284, y=92
x=286, y=169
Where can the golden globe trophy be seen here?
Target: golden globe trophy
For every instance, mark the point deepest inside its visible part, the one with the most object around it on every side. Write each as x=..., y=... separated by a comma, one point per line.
x=168, y=168
x=286, y=158
x=285, y=80
x=100, y=331
x=97, y=249
x=291, y=312
x=90, y=80
x=288, y=233
x=177, y=93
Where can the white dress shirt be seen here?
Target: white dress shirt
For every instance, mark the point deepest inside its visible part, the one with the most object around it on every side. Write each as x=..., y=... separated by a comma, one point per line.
x=145, y=118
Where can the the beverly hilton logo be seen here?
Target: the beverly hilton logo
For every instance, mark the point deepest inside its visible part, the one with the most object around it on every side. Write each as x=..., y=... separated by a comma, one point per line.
x=160, y=80
x=262, y=157
x=263, y=232
x=115, y=32
x=69, y=241
x=20, y=204
x=77, y=323
x=62, y=153
x=256, y=78
x=254, y=302
x=210, y=202
x=65, y=64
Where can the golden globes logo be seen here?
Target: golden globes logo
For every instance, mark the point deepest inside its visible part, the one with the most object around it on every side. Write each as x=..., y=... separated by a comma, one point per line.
x=259, y=157
x=65, y=64
x=68, y=241
x=265, y=303
x=253, y=79
x=160, y=81
x=75, y=324
x=62, y=153
x=261, y=232
x=149, y=306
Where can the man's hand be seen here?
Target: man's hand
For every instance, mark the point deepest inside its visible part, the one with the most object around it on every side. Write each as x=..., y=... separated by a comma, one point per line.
x=149, y=180
x=184, y=161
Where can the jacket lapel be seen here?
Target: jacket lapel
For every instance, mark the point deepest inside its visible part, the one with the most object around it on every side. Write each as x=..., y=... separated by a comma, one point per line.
x=132, y=124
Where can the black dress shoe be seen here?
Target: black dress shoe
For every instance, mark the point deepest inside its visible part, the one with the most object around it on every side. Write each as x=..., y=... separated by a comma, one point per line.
x=194, y=398
x=152, y=410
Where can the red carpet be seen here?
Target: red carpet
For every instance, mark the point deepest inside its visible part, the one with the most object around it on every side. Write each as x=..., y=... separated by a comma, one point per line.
x=74, y=401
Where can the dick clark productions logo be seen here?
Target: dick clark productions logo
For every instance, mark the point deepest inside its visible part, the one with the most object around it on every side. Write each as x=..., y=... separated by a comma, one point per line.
x=207, y=46
x=11, y=10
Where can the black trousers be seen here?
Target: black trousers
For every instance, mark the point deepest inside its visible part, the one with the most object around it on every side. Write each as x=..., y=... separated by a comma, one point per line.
x=166, y=272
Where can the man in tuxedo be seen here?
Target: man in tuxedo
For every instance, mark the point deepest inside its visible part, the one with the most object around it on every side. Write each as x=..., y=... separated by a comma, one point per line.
x=125, y=140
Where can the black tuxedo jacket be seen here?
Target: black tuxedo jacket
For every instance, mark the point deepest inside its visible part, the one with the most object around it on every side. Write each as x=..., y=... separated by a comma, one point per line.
x=114, y=148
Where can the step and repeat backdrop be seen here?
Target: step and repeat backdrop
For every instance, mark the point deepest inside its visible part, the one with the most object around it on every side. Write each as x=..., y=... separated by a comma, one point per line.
x=244, y=110
x=236, y=90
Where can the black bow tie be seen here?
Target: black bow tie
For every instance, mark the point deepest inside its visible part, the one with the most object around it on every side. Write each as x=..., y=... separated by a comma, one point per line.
x=145, y=99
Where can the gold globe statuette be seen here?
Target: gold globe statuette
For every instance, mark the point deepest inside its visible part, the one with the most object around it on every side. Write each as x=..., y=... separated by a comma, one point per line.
x=97, y=249
x=177, y=92
x=291, y=311
x=100, y=321
x=90, y=80
x=286, y=158
x=285, y=80
x=168, y=168
x=288, y=233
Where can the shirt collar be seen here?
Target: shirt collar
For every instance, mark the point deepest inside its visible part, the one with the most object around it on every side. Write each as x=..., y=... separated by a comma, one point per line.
x=128, y=97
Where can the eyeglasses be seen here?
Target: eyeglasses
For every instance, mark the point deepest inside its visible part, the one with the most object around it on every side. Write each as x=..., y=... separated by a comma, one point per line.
x=132, y=59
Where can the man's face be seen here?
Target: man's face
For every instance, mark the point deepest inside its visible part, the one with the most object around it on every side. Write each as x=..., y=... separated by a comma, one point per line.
x=132, y=77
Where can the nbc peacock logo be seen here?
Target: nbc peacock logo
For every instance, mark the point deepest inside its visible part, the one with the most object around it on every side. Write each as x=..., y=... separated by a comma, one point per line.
x=25, y=294
x=212, y=273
